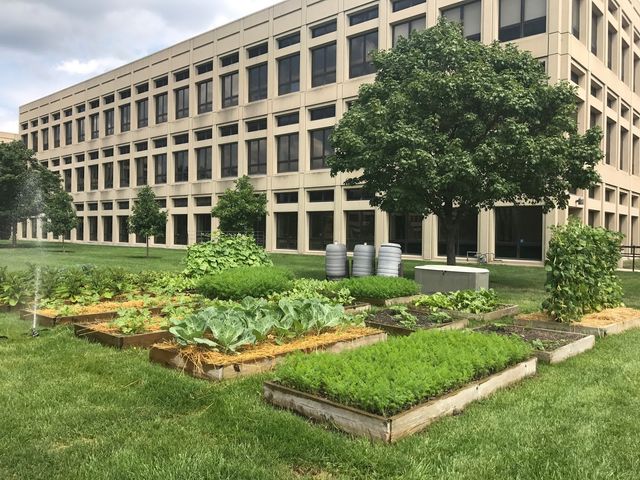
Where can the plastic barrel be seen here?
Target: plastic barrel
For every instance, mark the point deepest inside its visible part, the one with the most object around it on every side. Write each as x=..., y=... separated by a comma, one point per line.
x=389, y=260
x=363, y=258
x=335, y=261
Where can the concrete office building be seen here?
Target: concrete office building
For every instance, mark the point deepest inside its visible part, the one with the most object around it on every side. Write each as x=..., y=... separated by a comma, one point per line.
x=259, y=96
x=6, y=137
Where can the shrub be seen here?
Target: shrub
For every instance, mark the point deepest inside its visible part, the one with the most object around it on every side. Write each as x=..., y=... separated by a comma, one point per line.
x=380, y=288
x=581, y=277
x=392, y=376
x=224, y=252
x=238, y=283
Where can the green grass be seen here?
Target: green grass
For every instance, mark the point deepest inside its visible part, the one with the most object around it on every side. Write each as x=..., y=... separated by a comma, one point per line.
x=73, y=410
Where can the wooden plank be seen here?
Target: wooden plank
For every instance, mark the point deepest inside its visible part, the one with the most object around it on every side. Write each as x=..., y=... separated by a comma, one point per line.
x=174, y=359
x=404, y=331
x=503, y=311
x=390, y=301
x=140, y=340
x=357, y=308
x=572, y=349
x=391, y=429
x=612, y=329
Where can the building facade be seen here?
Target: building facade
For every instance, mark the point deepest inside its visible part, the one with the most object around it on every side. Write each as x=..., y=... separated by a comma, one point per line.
x=260, y=96
x=6, y=137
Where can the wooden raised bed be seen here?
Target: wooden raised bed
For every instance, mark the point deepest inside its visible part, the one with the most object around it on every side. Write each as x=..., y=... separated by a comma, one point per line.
x=592, y=324
x=390, y=301
x=501, y=312
x=170, y=355
x=565, y=344
x=52, y=321
x=385, y=321
x=357, y=307
x=408, y=422
x=117, y=340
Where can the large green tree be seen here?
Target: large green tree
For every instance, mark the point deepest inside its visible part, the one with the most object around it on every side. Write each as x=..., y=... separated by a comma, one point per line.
x=239, y=208
x=25, y=186
x=60, y=215
x=147, y=220
x=451, y=127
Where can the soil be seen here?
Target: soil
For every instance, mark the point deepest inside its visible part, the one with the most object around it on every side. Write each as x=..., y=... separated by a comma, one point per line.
x=549, y=340
x=388, y=317
x=268, y=349
x=596, y=319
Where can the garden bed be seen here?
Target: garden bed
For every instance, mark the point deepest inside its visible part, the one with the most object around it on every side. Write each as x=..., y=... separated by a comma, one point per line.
x=357, y=307
x=424, y=377
x=607, y=322
x=105, y=334
x=551, y=346
x=389, y=302
x=502, y=311
x=211, y=365
x=388, y=321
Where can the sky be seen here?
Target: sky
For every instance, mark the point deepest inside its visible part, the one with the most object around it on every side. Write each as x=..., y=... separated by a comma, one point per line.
x=47, y=45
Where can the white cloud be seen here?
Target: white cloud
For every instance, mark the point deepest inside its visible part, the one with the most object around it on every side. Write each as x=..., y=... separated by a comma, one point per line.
x=91, y=67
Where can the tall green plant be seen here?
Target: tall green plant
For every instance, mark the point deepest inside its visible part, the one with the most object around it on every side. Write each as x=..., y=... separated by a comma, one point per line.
x=581, y=278
x=147, y=220
x=60, y=215
x=239, y=209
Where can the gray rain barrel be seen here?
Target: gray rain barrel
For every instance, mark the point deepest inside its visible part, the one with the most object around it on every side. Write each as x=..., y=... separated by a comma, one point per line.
x=389, y=260
x=335, y=261
x=363, y=258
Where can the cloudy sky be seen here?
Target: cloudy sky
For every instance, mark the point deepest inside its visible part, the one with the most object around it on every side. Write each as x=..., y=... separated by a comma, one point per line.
x=46, y=45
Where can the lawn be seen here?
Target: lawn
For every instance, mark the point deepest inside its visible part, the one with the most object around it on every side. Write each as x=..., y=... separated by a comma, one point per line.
x=74, y=410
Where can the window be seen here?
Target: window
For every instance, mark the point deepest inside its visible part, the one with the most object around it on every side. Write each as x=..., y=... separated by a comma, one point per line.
x=469, y=16
x=161, y=82
x=34, y=141
x=181, y=202
x=229, y=59
x=360, y=49
x=180, y=235
x=107, y=171
x=93, y=228
x=181, y=166
x=68, y=134
x=318, y=196
x=256, y=125
x=363, y=16
x=143, y=87
x=404, y=29
x=45, y=138
x=56, y=136
x=360, y=228
x=289, y=40
x=80, y=179
x=109, y=122
x=182, y=102
x=323, y=65
x=160, y=168
x=258, y=50
x=287, y=197
x=288, y=119
x=108, y=99
x=230, y=90
x=324, y=29
x=287, y=153
x=80, y=129
x=160, y=142
x=203, y=156
x=397, y=5
x=228, y=130
x=320, y=230
x=125, y=117
x=323, y=112
x=206, y=134
x=522, y=18
x=181, y=75
x=142, y=146
x=123, y=167
x=287, y=230
x=289, y=74
x=205, y=67
x=205, y=96
x=124, y=94
x=161, y=108
x=519, y=232
x=93, y=177
x=141, y=171
x=142, y=107
x=123, y=205
x=612, y=44
x=596, y=18
x=79, y=229
x=257, y=151
x=203, y=227
x=257, y=82
x=229, y=160
x=356, y=194
x=466, y=240
x=67, y=180
x=320, y=147
x=203, y=201
x=94, y=155
x=576, y=6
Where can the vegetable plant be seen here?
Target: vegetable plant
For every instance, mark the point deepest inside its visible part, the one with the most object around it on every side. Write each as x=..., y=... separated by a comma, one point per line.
x=131, y=321
x=468, y=301
x=238, y=283
x=380, y=288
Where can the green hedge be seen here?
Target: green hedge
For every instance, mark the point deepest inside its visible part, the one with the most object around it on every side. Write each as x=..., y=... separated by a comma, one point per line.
x=238, y=283
x=380, y=288
x=389, y=377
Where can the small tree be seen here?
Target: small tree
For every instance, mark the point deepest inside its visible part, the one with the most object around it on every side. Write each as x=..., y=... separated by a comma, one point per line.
x=147, y=220
x=452, y=126
x=239, y=209
x=60, y=215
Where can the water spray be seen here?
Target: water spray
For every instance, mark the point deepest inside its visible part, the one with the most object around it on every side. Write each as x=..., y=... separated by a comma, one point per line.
x=36, y=298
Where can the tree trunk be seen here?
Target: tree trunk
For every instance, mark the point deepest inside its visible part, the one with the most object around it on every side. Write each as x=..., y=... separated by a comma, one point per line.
x=14, y=236
x=450, y=228
x=147, y=240
x=62, y=243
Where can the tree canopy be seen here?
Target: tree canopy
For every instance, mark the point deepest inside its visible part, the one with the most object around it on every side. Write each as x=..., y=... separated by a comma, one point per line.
x=239, y=208
x=59, y=214
x=25, y=185
x=452, y=126
x=147, y=220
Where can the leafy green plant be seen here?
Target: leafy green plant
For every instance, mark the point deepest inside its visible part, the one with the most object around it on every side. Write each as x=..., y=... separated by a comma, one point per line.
x=416, y=368
x=222, y=253
x=581, y=271
x=380, y=288
x=404, y=316
x=131, y=321
x=467, y=301
x=440, y=317
x=16, y=287
x=304, y=288
x=238, y=283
